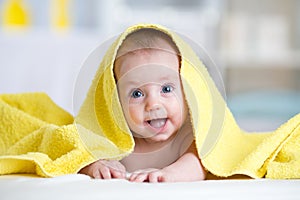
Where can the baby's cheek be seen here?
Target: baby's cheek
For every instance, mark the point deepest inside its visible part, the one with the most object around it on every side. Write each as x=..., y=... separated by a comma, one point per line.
x=178, y=113
x=175, y=106
x=135, y=115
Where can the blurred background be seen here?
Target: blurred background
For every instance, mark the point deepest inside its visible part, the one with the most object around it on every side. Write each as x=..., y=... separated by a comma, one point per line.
x=254, y=44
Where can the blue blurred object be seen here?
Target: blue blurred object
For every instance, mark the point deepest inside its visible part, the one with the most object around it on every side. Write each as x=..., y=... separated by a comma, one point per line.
x=264, y=110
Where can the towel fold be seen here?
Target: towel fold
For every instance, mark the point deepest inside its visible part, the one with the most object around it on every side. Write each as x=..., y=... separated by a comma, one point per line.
x=36, y=136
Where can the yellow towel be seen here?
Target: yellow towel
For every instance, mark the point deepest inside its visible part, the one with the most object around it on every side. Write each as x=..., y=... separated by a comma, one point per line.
x=39, y=137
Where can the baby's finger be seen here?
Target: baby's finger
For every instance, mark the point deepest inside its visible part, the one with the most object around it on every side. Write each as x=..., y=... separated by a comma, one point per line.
x=96, y=174
x=117, y=170
x=141, y=177
x=154, y=177
x=105, y=172
x=120, y=167
x=133, y=176
x=116, y=173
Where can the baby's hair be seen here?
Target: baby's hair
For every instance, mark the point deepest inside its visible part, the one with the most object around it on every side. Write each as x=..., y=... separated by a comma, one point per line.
x=142, y=41
x=146, y=38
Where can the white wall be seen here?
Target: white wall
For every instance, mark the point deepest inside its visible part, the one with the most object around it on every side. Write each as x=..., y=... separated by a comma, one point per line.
x=39, y=61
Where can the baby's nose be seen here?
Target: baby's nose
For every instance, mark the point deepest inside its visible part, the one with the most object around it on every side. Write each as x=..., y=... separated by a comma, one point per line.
x=153, y=103
x=156, y=111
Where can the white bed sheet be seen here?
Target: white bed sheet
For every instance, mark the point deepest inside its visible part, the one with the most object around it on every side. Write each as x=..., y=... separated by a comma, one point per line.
x=78, y=186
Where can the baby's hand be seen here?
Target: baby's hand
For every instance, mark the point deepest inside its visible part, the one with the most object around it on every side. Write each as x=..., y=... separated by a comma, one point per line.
x=151, y=175
x=105, y=169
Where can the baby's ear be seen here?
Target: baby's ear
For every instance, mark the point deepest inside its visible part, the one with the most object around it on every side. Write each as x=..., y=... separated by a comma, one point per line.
x=116, y=69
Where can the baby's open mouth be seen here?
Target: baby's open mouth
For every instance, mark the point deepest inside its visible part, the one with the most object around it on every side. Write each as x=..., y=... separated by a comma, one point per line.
x=157, y=123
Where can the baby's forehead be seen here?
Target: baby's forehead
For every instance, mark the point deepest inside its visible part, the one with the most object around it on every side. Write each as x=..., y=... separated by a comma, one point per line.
x=153, y=74
x=146, y=56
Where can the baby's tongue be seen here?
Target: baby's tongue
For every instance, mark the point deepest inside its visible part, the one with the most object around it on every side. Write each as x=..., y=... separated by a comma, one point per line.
x=157, y=123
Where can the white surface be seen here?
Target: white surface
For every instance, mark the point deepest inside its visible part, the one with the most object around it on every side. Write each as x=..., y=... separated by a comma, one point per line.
x=82, y=187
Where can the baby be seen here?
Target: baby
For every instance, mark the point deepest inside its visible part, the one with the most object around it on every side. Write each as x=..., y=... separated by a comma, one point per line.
x=150, y=91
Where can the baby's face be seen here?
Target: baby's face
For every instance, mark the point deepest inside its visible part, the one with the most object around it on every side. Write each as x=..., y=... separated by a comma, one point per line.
x=151, y=95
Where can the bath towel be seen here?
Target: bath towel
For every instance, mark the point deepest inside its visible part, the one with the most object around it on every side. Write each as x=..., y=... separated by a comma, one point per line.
x=39, y=137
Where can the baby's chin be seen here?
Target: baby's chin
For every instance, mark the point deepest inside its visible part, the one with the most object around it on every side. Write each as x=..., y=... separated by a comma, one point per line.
x=145, y=135
x=159, y=138
x=155, y=138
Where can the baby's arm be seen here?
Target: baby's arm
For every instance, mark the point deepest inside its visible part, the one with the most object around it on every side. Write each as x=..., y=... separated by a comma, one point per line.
x=187, y=168
x=104, y=169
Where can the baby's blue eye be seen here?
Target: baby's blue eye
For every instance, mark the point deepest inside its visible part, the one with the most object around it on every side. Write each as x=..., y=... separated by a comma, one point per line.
x=137, y=94
x=167, y=89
